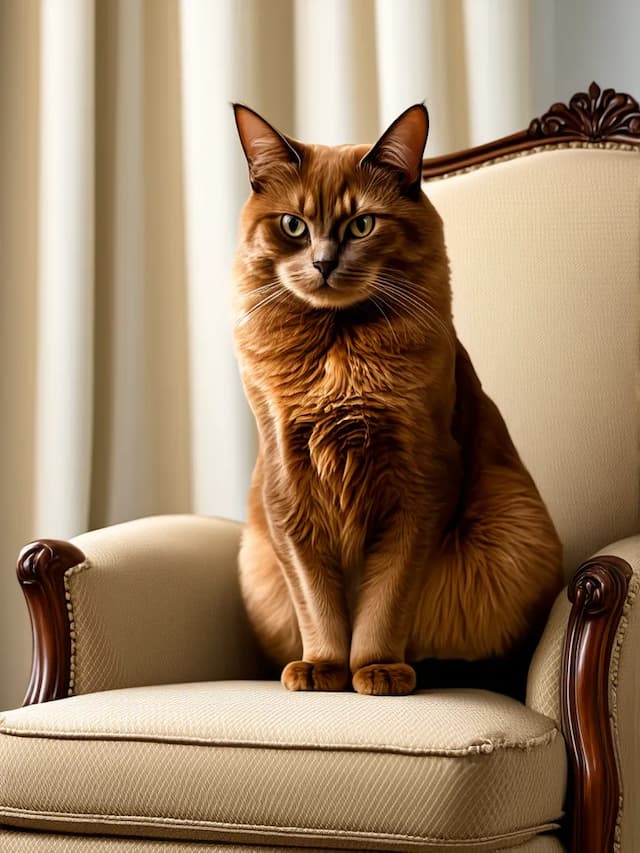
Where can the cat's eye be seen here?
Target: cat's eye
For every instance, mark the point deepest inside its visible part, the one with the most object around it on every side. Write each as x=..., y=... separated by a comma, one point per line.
x=362, y=226
x=293, y=226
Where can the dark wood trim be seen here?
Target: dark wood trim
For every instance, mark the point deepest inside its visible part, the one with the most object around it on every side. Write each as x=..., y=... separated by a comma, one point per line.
x=598, y=591
x=591, y=117
x=41, y=569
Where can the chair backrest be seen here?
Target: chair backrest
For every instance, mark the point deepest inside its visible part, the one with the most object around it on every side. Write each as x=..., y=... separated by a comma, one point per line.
x=543, y=233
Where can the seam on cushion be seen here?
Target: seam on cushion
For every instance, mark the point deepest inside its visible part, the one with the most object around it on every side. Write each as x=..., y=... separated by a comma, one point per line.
x=74, y=570
x=484, y=747
x=614, y=668
x=139, y=820
x=538, y=149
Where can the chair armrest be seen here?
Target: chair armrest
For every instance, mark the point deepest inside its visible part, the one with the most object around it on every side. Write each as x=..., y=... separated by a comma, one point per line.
x=151, y=601
x=585, y=674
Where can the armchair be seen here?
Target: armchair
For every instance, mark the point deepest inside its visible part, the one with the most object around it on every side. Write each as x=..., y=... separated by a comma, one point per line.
x=148, y=723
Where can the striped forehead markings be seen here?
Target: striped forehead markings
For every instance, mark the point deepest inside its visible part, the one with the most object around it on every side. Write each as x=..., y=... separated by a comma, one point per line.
x=307, y=205
x=339, y=207
x=349, y=204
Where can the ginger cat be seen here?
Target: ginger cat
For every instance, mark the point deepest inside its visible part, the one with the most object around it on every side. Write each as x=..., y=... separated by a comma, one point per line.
x=390, y=517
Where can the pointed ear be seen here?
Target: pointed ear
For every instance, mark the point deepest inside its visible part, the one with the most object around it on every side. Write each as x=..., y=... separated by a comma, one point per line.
x=401, y=146
x=262, y=144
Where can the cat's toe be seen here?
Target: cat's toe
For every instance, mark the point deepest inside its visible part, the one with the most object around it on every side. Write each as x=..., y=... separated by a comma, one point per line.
x=385, y=679
x=319, y=675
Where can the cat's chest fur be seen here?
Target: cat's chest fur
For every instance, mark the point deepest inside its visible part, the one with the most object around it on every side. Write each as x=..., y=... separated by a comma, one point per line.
x=341, y=416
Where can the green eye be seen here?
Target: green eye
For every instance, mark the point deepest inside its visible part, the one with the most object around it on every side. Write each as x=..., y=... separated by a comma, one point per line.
x=362, y=226
x=293, y=226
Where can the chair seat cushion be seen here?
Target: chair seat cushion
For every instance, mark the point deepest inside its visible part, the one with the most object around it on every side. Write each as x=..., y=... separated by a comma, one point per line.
x=250, y=763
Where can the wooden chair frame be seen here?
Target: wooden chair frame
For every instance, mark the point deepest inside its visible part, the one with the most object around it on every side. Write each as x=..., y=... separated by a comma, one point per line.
x=597, y=590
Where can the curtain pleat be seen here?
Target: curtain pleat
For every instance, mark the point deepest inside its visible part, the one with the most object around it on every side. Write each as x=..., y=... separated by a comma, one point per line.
x=335, y=84
x=213, y=74
x=418, y=72
x=119, y=469
x=141, y=438
x=498, y=50
x=20, y=117
x=167, y=427
x=64, y=414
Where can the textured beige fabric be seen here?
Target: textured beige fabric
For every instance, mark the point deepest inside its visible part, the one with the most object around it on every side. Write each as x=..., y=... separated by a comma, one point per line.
x=28, y=842
x=253, y=763
x=543, y=682
x=158, y=601
x=545, y=256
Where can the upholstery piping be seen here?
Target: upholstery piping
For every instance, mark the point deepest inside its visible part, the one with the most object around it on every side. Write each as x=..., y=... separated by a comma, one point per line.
x=72, y=625
x=483, y=747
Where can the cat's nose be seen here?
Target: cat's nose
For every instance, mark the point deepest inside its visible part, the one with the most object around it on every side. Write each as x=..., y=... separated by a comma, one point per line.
x=326, y=267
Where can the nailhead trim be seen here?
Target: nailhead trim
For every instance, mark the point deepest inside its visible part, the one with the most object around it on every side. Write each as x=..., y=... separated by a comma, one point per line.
x=72, y=624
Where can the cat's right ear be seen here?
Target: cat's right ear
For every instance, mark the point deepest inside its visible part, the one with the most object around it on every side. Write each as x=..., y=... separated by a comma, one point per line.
x=262, y=144
x=401, y=147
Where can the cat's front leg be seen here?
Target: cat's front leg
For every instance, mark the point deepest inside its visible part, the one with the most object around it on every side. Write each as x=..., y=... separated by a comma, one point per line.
x=384, y=615
x=317, y=592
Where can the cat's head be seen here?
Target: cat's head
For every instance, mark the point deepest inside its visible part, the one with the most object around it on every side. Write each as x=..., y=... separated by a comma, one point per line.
x=335, y=226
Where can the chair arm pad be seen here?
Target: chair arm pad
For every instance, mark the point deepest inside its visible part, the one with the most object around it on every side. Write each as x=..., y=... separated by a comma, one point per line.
x=157, y=601
x=150, y=601
x=543, y=682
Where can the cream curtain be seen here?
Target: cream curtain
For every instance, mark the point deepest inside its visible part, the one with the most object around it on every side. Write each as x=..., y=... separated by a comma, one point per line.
x=121, y=184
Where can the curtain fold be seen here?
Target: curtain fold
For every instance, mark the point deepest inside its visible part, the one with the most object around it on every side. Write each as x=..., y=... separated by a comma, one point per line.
x=20, y=116
x=118, y=463
x=335, y=86
x=214, y=48
x=415, y=73
x=498, y=50
x=64, y=384
x=122, y=182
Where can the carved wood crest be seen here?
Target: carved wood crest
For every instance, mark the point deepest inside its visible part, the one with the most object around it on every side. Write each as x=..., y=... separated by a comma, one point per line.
x=597, y=116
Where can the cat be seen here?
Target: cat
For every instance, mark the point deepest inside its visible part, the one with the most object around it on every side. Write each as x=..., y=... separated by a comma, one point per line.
x=390, y=518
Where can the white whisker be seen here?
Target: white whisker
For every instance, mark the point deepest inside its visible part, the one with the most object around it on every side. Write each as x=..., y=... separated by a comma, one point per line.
x=381, y=310
x=248, y=314
x=416, y=304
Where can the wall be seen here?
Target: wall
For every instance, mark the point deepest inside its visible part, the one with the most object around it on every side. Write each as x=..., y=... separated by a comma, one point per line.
x=577, y=41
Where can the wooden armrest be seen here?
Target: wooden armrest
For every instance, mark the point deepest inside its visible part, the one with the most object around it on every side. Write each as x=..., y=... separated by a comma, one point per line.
x=41, y=569
x=575, y=677
x=598, y=591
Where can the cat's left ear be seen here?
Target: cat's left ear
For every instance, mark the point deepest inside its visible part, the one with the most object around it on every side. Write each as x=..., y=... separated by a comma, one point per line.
x=401, y=147
x=262, y=144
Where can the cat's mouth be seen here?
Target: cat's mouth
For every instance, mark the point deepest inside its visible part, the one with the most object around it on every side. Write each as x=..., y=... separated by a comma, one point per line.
x=329, y=293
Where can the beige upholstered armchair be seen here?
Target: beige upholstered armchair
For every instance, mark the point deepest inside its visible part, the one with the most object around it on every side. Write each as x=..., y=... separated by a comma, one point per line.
x=161, y=736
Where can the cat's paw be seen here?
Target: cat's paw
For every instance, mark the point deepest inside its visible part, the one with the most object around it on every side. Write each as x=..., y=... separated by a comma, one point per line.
x=321, y=675
x=385, y=679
